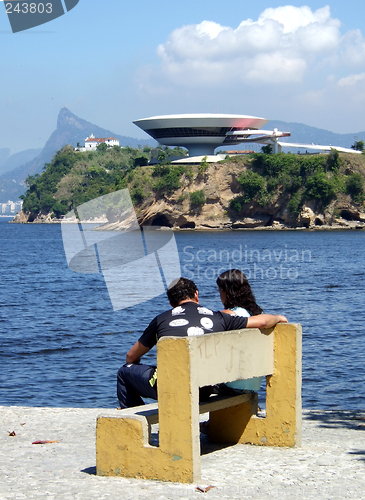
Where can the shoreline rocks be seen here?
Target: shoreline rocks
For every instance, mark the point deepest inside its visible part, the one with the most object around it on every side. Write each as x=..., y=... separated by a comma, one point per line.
x=247, y=224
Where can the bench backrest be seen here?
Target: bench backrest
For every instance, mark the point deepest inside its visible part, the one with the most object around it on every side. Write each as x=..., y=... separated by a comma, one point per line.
x=224, y=356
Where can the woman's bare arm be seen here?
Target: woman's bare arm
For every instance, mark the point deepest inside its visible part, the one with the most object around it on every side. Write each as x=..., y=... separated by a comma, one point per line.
x=265, y=320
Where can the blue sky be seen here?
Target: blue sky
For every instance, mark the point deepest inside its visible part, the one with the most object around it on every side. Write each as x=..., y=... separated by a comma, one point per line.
x=111, y=62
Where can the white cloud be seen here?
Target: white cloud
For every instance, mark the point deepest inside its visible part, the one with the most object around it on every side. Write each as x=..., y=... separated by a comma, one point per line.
x=292, y=18
x=294, y=64
x=351, y=80
x=276, y=49
x=353, y=48
x=276, y=68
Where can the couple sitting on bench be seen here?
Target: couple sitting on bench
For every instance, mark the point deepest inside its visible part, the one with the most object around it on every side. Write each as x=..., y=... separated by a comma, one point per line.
x=188, y=318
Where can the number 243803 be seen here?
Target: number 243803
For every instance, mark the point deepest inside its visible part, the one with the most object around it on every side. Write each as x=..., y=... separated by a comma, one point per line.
x=28, y=8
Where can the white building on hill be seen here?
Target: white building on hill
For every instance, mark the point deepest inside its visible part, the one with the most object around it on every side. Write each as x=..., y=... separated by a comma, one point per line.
x=92, y=142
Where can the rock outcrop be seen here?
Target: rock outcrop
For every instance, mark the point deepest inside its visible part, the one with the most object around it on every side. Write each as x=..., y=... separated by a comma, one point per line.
x=219, y=185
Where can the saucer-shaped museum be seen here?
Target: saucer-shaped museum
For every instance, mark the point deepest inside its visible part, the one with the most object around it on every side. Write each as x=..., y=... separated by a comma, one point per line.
x=201, y=133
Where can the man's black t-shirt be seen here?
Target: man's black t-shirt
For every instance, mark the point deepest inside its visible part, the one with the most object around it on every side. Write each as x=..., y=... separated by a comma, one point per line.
x=189, y=319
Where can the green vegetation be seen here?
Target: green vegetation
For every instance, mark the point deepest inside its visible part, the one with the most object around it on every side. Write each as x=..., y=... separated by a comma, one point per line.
x=358, y=145
x=295, y=202
x=73, y=178
x=41, y=188
x=102, y=146
x=320, y=187
x=168, y=177
x=268, y=149
x=197, y=199
x=355, y=187
x=299, y=177
x=203, y=166
x=164, y=154
x=254, y=187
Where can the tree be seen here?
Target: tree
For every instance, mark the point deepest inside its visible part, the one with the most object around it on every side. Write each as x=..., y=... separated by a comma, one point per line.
x=204, y=165
x=137, y=195
x=140, y=161
x=267, y=150
x=197, y=198
x=46, y=202
x=31, y=203
x=333, y=160
x=162, y=156
x=355, y=187
x=177, y=151
x=102, y=146
x=252, y=185
x=60, y=209
x=295, y=203
x=320, y=188
x=358, y=146
x=236, y=203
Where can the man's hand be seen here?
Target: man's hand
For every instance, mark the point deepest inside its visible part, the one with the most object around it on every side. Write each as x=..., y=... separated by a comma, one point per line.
x=265, y=320
x=136, y=352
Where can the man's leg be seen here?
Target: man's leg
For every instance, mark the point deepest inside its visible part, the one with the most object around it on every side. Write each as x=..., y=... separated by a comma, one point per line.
x=133, y=383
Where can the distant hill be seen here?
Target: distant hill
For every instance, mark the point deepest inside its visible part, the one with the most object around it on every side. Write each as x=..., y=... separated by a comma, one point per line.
x=10, y=189
x=304, y=134
x=70, y=130
x=4, y=155
x=18, y=159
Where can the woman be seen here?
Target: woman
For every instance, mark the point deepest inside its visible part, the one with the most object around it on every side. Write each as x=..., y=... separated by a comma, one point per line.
x=237, y=297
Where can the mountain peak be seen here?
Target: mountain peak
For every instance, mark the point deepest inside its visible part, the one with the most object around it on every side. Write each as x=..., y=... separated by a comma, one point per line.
x=67, y=119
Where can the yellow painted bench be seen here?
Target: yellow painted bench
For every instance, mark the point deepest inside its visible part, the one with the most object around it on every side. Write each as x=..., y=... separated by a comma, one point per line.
x=186, y=363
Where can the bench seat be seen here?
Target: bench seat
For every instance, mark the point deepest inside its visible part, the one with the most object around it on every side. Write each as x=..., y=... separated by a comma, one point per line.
x=214, y=403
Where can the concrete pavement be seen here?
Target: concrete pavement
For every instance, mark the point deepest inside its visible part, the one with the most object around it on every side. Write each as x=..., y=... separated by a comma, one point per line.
x=330, y=464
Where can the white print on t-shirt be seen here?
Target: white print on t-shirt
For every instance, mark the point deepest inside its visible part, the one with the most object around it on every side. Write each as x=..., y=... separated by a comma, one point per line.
x=204, y=310
x=178, y=310
x=206, y=323
x=195, y=330
x=179, y=322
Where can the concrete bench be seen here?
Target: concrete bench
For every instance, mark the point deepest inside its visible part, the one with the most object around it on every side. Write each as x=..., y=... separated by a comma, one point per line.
x=123, y=437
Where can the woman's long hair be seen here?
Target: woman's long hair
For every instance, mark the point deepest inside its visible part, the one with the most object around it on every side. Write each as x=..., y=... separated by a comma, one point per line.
x=238, y=291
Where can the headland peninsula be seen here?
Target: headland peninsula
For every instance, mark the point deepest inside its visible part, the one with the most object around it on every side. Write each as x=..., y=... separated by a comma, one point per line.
x=254, y=191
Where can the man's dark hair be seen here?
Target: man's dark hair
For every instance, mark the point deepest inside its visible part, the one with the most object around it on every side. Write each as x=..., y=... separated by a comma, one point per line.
x=181, y=289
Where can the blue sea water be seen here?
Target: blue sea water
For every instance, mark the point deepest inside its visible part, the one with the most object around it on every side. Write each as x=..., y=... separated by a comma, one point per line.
x=61, y=343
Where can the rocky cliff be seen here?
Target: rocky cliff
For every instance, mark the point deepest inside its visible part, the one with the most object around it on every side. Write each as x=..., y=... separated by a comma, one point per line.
x=219, y=183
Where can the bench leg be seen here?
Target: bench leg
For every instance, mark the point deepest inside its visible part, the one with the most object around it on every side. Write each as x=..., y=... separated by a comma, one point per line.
x=229, y=424
x=122, y=447
x=282, y=424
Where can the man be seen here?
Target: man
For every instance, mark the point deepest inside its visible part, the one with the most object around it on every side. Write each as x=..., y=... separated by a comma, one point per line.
x=187, y=318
